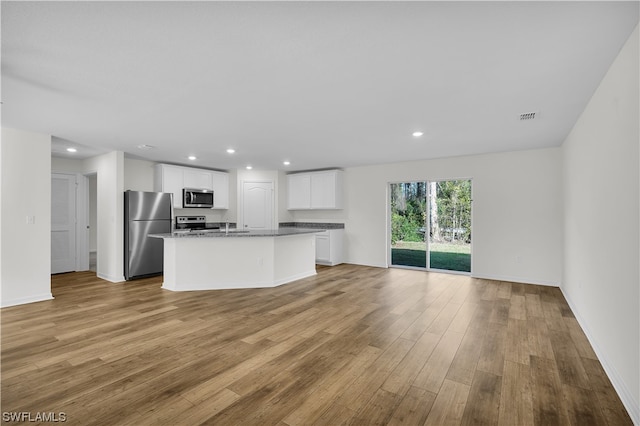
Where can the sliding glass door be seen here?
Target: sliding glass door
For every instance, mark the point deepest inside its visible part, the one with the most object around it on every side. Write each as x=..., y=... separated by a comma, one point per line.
x=431, y=225
x=450, y=225
x=408, y=224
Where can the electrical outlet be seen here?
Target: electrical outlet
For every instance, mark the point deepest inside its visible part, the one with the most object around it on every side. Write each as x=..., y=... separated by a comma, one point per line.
x=31, y=220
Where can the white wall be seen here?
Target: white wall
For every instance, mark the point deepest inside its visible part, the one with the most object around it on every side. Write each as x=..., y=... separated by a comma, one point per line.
x=93, y=213
x=25, y=249
x=601, y=211
x=517, y=211
x=109, y=169
x=110, y=205
x=138, y=175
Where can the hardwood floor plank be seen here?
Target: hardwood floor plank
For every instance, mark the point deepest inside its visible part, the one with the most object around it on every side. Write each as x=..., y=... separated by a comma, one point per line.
x=538, y=338
x=516, y=400
x=463, y=317
x=435, y=369
x=493, y=349
x=327, y=392
x=363, y=388
x=579, y=339
x=378, y=410
x=548, y=402
x=336, y=414
x=582, y=406
x=448, y=408
x=465, y=362
x=610, y=404
x=517, y=308
x=414, y=408
x=517, y=345
x=405, y=372
x=500, y=311
x=350, y=345
x=533, y=306
x=569, y=364
x=444, y=318
x=483, y=401
x=504, y=290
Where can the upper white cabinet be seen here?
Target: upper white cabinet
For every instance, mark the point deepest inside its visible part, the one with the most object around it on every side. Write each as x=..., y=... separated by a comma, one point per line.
x=220, y=186
x=198, y=178
x=315, y=190
x=173, y=179
x=299, y=191
x=170, y=179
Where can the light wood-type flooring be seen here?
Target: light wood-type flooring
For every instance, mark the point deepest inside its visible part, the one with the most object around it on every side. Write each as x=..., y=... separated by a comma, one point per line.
x=352, y=345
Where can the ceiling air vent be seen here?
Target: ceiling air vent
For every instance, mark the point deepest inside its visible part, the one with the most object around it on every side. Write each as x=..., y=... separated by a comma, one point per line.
x=528, y=116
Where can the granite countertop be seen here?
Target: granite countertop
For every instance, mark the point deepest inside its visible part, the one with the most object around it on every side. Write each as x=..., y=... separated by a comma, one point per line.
x=215, y=233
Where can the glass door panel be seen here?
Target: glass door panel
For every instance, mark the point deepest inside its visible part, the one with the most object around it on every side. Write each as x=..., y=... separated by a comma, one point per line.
x=408, y=224
x=450, y=225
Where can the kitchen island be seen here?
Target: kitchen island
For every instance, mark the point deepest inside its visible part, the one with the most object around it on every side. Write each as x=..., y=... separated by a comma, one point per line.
x=215, y=259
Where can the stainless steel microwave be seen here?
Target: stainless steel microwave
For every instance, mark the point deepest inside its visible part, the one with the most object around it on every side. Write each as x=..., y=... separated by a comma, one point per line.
x=197, y=198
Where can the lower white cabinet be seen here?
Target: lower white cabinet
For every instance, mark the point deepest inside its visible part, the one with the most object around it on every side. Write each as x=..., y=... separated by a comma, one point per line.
x=329, y=247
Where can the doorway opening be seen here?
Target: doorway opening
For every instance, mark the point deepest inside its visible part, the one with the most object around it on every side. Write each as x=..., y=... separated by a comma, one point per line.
x=93, y=221
x=431, y=225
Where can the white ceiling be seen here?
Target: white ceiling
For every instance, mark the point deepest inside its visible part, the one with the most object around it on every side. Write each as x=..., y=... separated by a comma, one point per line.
x=322, y=84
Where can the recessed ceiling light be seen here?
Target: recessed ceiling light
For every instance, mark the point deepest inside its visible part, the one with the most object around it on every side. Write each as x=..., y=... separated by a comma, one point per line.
x=417, y=134
x=72, y=150
x=230, y=151
x=249, y=167
x=192, y=157
x=145, y=146
x=286, y=163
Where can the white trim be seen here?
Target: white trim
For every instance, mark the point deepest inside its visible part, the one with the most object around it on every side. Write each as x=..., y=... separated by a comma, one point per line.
x=450, y=271
x=25, y=300
x=516, y=279
x=626, y=396
x=110, y=278
x=82, y=221
x=236, y=286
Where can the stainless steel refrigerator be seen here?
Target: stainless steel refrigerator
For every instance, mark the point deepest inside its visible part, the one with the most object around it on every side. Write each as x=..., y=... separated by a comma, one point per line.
x=145, y=213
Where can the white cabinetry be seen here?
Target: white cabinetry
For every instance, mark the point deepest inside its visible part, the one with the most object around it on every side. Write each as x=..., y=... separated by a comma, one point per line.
x=329, y=247
x=315, y=190
x=198, y=178
x=173, y=179
x=170, y=179
x=220, y=185
x=299, y=191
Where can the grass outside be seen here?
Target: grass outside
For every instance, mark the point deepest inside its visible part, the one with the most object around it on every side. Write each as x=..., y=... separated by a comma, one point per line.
x=450, y=257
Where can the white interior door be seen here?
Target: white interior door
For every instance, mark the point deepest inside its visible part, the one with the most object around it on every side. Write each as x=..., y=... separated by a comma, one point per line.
x=63, y=223
x=257, y=205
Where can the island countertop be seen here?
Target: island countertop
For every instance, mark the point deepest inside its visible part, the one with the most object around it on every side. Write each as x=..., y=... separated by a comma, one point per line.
x=221, y=233
x=212, y=260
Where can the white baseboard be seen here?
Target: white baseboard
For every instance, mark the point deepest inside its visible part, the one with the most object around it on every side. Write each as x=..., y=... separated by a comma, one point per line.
x=113, y=279
x=632, y=406
x=236, y=286
x=516, y=279
x=24, y=300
